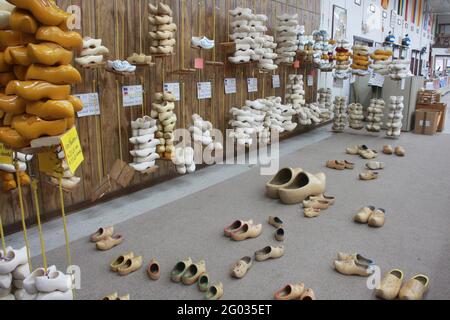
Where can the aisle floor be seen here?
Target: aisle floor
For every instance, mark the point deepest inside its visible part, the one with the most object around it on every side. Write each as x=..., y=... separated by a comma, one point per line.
x=413, y=190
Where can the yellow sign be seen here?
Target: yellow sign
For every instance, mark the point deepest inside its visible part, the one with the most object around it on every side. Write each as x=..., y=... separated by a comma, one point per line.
x=6, y=155
x=72, y=149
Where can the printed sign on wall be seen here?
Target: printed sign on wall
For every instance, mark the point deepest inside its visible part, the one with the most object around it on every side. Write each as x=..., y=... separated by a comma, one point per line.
x=132, y=96
x=204, y=90
x=91, y=104
x=230, y=86
x=252, y=84
x=173, y=88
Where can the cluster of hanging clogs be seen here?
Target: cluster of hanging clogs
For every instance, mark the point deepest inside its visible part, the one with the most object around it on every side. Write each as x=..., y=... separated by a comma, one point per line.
x=163, y=29
x=35, y=69
x=93, y=52
x=163, y=112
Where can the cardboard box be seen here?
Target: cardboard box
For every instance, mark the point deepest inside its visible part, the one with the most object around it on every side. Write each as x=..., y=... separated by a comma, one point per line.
x=441, y=107
x=427, y=121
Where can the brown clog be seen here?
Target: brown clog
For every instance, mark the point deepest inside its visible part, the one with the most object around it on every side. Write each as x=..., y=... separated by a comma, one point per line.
x=154, y=270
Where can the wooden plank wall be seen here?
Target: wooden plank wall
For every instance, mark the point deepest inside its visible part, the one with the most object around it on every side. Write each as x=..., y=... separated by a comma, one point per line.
x=123, y=26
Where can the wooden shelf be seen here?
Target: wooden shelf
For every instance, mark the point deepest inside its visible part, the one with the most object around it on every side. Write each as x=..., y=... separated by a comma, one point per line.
x=162, y=55
x=143, y=65
x=93, y=66
x=118, y=73
x=184, y=71
x=214, y=63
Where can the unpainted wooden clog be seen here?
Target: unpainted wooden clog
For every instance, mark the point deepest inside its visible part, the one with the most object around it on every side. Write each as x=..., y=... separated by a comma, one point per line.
x=269, y=253
x=335, y=164
x=203, y=283
x=215, y=292
x=235, y=226
x=248, y=231
x=390, y=285
x=179, y=269
x=368, y=175
x=312, y=212
x=308, y=295
x=154, y=270
x=120, y=261
x=290, y=292
x=388, y=149
x=275, y=222
x=280, y=235
x=377, y=219
x=352, y=268
x=331, y=200
x=303, y=186
x=364, y=214
x=400, y=152
x=193, y=273
x=241, y=267
x=110, y=242
x=282, y=179
x=130, y=266
x=102, y=234
x=415, y=288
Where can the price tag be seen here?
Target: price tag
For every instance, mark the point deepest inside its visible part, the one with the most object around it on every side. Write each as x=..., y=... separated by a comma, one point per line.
x=173, y=88
x=91, y=104
x=338, y=83
x=310, y=80
x=276, y=82
x=403, y=84
x=199, y=63
x=230, y=85
x=296, y=64
x=252, y=85
x=376, y=80
x=204, y=90
x=6, y=155
x=132, y=96
x=72, y=149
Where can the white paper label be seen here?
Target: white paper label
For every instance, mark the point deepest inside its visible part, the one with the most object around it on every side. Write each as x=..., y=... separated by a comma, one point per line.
x=252, y=84
x=403, y=84
x=204, y=90
x=425, y=124
x=91, y=104
x=174, y=89
x=376, y=80
x=310, y=81
x=338, y=83
x=276, y=82
x=230, y=85
x=132, y=96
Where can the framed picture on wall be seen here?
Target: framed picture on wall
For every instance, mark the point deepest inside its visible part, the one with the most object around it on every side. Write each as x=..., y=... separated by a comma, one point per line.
x=339, y=29
x=393, y=18
x=358, y=2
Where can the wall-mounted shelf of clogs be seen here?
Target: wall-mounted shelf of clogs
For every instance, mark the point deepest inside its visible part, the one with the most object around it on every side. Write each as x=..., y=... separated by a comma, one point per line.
x=120, y=73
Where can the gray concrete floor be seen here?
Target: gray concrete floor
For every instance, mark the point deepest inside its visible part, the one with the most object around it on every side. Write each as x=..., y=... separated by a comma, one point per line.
x=413, y=190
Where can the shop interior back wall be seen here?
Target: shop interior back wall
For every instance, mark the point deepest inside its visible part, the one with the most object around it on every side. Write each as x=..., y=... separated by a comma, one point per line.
x=123, y=27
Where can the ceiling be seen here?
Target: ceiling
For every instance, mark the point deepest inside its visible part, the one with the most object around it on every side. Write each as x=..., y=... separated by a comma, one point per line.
x=440, y=6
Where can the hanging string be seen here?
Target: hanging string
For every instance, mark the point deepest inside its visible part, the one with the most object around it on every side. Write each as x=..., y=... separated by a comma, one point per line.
x=34, y=187
x=22, y=213
x=2, y=235
x=140, y=27
x=119, y=120
x=66, y=232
